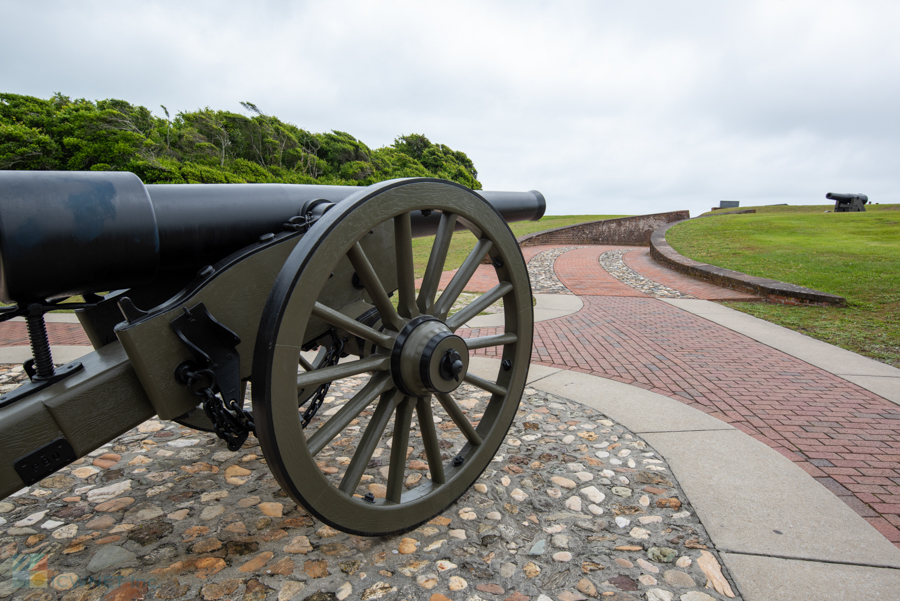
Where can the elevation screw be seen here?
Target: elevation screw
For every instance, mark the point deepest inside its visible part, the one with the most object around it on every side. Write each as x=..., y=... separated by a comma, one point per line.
x=40, y=344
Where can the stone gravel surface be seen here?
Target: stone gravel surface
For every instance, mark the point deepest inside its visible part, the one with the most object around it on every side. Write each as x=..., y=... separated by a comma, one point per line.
x=540, y=271
x=612, y=262
x=573, y=507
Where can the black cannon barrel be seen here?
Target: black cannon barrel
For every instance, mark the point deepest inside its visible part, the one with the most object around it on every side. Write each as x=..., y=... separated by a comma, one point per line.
x=70, y=232
x=199, y=224
x=846, y=198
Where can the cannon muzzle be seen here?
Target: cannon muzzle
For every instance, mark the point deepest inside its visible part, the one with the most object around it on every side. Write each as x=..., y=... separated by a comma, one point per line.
x=64, y=233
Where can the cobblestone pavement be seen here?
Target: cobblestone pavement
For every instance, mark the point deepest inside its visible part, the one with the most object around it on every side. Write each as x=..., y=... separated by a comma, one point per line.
x=574, y=506
x=540, y=272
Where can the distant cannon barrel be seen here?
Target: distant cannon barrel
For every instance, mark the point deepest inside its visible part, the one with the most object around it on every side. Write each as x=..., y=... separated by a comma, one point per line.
x=76, y=232
x=846, y=198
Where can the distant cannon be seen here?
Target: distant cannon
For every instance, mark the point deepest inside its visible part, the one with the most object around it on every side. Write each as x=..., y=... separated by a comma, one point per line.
x=287, y=288
x=848, y=203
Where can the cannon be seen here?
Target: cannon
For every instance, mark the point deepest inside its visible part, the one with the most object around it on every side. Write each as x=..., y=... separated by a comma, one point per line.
x=193, y=294
x=848, y=203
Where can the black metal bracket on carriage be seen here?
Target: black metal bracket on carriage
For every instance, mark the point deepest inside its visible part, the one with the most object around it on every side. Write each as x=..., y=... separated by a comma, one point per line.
x=214, y=375
x=214, y=348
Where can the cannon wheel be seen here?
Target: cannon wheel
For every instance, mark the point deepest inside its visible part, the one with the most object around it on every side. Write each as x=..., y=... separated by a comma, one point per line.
x=403, y=376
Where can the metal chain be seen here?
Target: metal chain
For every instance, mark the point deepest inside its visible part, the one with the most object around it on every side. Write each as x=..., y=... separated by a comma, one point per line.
x=331, y=358
x=232, y=423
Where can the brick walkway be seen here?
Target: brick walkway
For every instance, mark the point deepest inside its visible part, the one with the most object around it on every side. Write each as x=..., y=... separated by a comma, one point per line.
x=13, y=333
x=844, y=436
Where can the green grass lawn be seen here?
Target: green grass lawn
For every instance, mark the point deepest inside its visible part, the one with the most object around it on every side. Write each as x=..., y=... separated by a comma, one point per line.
x=854, y=255
x=463, y=242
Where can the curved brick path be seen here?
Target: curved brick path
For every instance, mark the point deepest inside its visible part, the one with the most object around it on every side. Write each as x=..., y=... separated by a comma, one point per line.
x=844, y=436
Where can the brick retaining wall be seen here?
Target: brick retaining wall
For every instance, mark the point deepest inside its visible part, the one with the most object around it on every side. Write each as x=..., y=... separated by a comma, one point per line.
x=624, y=231
x=772, y=290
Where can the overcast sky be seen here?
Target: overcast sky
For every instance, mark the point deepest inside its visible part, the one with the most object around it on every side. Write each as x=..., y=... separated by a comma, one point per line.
x=605, y=107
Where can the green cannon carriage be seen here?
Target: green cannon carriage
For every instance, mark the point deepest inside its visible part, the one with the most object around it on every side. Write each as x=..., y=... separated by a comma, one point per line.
x=193, y=292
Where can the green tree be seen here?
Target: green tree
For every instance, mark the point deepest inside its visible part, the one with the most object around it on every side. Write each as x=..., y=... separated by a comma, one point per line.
x=206, y=145
x=23, y=147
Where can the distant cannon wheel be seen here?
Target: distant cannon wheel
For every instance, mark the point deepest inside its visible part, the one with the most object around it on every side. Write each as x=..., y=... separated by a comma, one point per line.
x=406, y=428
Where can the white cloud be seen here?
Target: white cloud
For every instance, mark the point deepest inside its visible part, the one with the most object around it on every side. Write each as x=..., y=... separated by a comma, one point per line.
x=605, y=107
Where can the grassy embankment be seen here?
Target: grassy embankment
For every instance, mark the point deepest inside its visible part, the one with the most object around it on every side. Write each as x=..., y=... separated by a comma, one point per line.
x=854, y=255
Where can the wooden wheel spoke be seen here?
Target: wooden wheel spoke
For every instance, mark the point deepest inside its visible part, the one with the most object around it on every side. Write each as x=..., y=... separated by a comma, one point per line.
x=339, y=320
x=406, y=282
x=478, y=305
x=343, y=370
x=489, y=341
x=459, y=418
x=399, y=444
x=369, y=441
x=484, y=384
x=461, y=278
x=436, y=261
x=350, y=411
x=373, y=286
x=306, y=364
x=430, y=439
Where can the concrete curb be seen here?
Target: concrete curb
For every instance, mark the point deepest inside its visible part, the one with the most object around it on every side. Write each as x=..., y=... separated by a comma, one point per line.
x=772, y=290
x=54, y=318
x=780, y=533
x=61, y=353
x=547, y=306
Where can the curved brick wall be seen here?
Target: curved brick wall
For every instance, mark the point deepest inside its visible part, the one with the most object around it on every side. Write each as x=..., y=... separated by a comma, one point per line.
x=624, y=231
x=771, y=290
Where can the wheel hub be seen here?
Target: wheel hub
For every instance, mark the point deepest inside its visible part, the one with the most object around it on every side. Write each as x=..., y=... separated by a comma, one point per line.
x=428, y=358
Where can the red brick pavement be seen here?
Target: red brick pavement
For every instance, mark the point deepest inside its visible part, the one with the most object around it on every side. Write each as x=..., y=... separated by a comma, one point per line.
x=580, y=271
x=14, y=333
x=485, y=276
